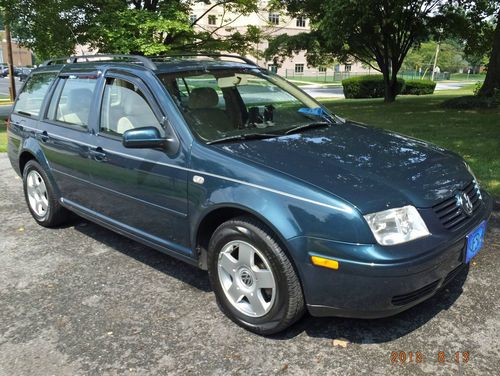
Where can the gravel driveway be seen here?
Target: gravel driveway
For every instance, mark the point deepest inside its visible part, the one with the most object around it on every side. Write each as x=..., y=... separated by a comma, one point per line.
x=83, y=300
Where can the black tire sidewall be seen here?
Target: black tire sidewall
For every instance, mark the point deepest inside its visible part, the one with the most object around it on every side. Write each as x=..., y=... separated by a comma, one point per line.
x=244, y=231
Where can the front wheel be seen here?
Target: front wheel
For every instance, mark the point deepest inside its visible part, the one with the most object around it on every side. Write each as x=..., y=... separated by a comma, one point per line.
x=254, y=281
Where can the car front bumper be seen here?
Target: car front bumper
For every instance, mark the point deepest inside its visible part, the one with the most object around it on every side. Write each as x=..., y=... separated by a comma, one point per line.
x=373, y=282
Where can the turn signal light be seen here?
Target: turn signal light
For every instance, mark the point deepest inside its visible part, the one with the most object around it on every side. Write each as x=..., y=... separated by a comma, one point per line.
x=324, y=262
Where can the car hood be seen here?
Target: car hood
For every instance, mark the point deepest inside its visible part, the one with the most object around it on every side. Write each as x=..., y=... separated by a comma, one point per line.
x=371, y=168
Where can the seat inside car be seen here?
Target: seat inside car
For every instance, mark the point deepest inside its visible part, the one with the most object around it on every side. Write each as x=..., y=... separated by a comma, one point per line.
x=77, y=107
x=203, y=103
x=136, y=112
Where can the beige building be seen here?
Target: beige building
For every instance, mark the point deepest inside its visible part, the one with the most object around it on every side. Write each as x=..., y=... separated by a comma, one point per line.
x=222, y=22
x=22, y=57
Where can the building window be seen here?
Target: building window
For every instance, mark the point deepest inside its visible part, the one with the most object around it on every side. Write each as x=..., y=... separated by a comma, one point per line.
x=299, y=68
x=212, y=19
x=272, y=68
x=274, y=18
x=322, y=69
x=192, y=18
x=301, y=22
x=347, y=67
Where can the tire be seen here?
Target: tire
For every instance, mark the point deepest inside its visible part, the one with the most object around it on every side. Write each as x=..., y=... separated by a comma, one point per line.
x=254, y=281
x=40, y=196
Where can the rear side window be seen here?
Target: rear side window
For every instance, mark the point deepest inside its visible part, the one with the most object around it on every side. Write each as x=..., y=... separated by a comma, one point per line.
x=31, y=98
x=71, y=101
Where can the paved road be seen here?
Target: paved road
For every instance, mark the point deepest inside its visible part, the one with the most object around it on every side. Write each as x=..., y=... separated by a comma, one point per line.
x=84, y=300
x=318, y=91
x=5, y=85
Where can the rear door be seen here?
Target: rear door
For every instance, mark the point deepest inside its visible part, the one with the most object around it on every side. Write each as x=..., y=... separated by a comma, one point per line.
x=64, y=134
x=143, y=191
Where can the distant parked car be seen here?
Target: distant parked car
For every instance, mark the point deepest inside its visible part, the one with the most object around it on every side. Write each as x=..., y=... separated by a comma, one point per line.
x=4, y=71
x=24, y=73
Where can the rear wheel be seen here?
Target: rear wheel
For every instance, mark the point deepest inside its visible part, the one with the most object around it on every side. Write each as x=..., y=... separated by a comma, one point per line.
x=254, y=281
x=40, y=196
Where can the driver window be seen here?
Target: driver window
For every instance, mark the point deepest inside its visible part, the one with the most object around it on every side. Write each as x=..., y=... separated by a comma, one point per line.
x=125, y=107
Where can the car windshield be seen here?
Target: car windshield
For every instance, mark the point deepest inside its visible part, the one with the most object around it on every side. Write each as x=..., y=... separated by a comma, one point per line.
x=224, y=105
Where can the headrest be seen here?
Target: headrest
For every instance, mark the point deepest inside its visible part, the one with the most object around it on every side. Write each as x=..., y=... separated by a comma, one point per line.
x=203, y=97
x=132, y=102
x=79, y=100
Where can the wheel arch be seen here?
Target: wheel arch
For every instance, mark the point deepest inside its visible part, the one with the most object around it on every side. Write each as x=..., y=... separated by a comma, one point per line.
x=31, y=151
x=212, y=219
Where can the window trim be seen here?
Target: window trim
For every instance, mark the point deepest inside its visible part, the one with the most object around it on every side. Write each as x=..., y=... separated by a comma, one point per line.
x=151, y=99
x=62, y=77
x=43, y=106
x=274, y=18
x=296, y=66
x=301, y=20
x=212, y=17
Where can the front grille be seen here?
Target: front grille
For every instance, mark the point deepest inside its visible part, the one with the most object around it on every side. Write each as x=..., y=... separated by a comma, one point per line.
x=451, y=215
x=400, y=300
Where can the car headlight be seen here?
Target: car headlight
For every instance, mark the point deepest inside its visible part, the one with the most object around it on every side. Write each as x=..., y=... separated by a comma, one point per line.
x=396, y=226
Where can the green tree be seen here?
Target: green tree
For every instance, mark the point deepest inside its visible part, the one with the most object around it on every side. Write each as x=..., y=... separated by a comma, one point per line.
x=54, y=27
x=477, y=23
x=377, y=33
x=451, y=57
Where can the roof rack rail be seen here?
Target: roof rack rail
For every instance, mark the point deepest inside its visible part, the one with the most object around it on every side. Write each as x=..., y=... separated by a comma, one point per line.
x=208, y=54
x=147, y=62
x=75, y=59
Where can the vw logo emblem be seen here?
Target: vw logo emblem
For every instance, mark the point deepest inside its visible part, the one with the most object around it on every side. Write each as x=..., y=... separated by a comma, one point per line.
x=246, y=278
x=464, y=203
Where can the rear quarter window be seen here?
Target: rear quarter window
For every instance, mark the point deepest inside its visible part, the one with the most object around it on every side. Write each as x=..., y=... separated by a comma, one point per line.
x=31, y=98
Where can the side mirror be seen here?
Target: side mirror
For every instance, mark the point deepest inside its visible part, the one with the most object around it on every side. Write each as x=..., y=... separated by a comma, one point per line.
x=145, y=138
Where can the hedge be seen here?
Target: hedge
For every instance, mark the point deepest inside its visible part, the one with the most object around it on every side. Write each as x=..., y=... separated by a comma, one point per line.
x=367, y=87
x=418, y=87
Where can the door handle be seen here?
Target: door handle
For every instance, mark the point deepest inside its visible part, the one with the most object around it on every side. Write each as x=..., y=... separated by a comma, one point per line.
x=43, y=136
x=98, y=154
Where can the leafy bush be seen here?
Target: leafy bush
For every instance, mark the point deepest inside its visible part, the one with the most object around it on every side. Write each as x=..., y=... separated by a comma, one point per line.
x=418, y=87
x=367, y=87
x=471, y=102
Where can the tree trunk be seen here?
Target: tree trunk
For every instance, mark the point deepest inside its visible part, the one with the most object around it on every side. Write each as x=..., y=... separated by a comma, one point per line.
x=390, y=86
x=492, y=81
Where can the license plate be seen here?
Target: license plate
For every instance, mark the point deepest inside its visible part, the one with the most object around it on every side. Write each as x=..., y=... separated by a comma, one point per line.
x=475, y=241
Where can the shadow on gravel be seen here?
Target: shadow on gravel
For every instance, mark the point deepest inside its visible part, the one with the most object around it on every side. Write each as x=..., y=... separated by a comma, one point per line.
x=148, y=256
x=354, y=330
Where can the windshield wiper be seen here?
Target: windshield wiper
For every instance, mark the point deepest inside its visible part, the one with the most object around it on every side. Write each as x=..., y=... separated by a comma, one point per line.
x=308, y=126
x=243, y=137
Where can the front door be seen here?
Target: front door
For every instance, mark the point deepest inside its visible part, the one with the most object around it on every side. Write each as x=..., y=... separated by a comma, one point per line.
x=142, y=191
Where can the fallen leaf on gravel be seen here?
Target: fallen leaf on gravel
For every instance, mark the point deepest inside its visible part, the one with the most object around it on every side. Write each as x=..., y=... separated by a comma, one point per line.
x=110, y=333
x=21, y=229
x=340, y=342
x=474, y=263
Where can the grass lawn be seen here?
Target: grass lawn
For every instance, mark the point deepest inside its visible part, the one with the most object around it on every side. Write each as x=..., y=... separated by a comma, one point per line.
x=473, y=134
x=3, y=135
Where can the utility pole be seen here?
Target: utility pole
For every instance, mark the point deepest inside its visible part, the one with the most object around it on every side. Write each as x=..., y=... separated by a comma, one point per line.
x=10, y=61
x=438, y=46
